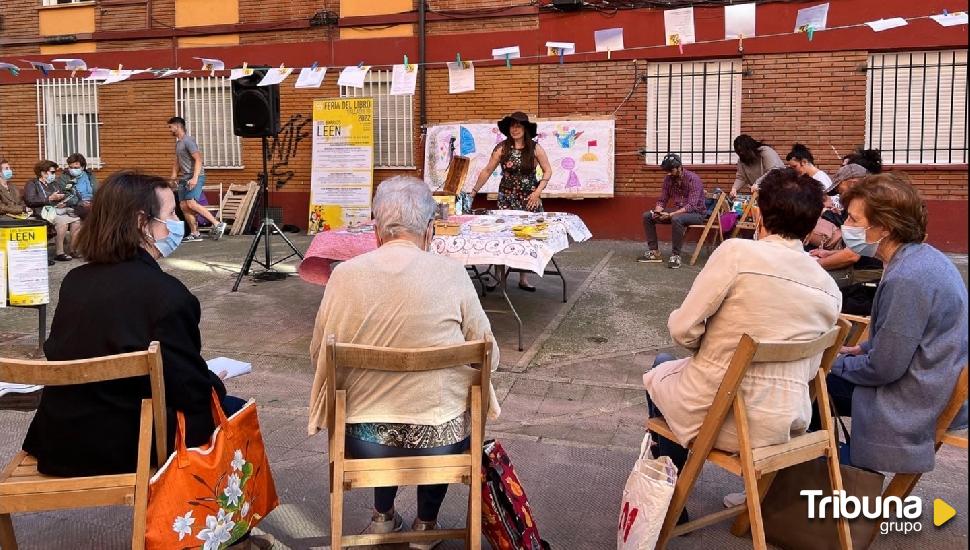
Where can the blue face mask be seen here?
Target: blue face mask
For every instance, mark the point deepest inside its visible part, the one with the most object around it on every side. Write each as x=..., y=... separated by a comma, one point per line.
x=176, y=230
x=7, y=174
x=855, y=240
x=49, y=178
x=75, y=172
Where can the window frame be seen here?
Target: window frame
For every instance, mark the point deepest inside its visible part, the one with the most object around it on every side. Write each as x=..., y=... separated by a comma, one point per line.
x=380, y=81
x=229, y=149
x=68, y=97
x=658, y=143
x=903, y=64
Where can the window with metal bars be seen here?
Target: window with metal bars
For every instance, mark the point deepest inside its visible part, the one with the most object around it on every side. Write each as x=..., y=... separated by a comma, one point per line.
x=206, y=105
x=917, y=107
x=694, y=110
x=393, y=121
x=67, y=119
x=62, y=2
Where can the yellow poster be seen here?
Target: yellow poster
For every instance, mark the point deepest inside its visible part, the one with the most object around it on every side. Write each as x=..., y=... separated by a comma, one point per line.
x=26, y=261
x=342, y=173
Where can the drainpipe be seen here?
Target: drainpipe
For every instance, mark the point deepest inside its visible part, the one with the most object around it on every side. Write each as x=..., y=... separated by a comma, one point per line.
x=423, y=117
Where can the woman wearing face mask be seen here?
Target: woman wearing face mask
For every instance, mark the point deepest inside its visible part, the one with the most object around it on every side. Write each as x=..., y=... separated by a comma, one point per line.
x=895, y=385
x=41, y=193
x=11, y=203
x=78, y=184
x=119, y=302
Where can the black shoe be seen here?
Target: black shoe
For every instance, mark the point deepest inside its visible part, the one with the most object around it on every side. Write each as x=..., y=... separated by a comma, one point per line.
x=527, y=288
x=63, y=258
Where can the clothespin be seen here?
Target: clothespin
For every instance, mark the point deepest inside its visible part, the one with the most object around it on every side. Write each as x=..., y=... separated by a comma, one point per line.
x=508, y=61
x=458, y=61
x=314, y=66
x=945, y=12
x=407, y=66
x=562, y=54
x=740, y=43
x=119, y=68
x=282, y=67
x=609, y=54
x=360, y=65
x=810, y=31
x=681, y=48
x=212, y=71
x=245, y=67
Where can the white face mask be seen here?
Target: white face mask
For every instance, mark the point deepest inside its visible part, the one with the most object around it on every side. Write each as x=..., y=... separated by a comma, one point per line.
x=855, y=240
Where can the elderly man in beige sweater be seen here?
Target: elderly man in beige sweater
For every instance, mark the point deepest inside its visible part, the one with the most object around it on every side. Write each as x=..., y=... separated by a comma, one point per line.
x=401, y=296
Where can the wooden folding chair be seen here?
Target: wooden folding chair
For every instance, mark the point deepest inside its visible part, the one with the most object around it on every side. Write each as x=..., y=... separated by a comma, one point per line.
x=24, y=489
x=348, y=473
x=748, y=219
x=756, y=466
x=859, y=331
x=713, y=222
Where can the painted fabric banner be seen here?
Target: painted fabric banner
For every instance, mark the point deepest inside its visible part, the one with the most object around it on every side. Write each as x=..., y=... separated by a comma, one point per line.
x=342, y=171
x=580, y=151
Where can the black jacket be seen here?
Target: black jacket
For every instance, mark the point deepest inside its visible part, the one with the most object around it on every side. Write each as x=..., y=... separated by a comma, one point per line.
x=105, y=309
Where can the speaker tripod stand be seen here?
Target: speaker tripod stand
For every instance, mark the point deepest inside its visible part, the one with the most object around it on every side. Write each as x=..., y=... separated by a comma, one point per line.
x=265, y=234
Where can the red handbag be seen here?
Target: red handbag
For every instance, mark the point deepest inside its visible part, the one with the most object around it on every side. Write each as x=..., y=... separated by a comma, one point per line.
x=507, y=520
x=211, y=496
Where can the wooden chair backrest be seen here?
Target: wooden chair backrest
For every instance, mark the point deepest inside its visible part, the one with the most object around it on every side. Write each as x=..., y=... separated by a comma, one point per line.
x=99, y=369
x=751, y=351
x=860, y=328
x=953, y=406
x=352, y=356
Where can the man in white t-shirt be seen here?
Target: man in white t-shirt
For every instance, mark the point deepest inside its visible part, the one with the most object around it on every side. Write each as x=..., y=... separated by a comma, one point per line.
x=801, y=160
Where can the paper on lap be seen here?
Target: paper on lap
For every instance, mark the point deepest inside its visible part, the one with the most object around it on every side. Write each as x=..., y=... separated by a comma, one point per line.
x=9, y=387
x=231, y=367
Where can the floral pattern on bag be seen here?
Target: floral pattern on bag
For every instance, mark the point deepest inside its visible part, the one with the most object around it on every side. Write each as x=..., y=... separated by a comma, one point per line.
x=228, y=502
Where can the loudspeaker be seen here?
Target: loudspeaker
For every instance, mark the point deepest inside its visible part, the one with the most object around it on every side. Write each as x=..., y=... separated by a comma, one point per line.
x=255, y=109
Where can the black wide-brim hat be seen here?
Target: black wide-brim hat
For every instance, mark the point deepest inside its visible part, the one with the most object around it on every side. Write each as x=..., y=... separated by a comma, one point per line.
x=521, y=118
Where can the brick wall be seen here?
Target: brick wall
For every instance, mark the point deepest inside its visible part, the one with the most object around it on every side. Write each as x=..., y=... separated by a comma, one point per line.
x=815, y=99
x=120, y=18
x=20, y=20
x=18, y=129
x=133, y=130
x=461, y=26
x=163, y=13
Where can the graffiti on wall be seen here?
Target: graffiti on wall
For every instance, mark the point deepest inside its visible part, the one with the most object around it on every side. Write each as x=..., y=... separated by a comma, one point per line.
x=285, y=146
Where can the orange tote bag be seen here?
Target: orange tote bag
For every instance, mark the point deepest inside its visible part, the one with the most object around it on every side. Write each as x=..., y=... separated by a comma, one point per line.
x=209, y=497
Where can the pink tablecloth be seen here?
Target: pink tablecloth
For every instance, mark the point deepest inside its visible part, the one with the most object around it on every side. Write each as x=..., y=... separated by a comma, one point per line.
x=332, y=246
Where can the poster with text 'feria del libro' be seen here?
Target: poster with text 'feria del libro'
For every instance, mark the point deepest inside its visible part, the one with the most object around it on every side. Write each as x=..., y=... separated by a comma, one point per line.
x=342, y=174
x=23, y=251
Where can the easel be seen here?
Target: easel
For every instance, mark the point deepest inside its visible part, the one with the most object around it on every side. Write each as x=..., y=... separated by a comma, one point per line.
x=747, y=219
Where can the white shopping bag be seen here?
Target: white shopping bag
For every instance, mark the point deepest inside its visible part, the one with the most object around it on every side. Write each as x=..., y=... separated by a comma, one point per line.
x=646, y=498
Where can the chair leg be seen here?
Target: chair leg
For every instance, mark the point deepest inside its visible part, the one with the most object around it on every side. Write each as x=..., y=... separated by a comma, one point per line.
x=8, y=541
x=336, y=512
x=901, y=485
x=685, y=484
x=701, y=242
x=753, y=501
x=742, y=525
x=835, y=480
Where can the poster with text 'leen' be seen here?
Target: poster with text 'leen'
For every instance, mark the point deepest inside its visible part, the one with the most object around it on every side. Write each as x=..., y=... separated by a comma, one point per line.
x=342, y=173
x=25, y=256
x=580, y=151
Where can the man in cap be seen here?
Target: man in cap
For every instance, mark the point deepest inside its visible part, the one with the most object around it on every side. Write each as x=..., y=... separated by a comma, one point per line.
x=681, y=204
x=832, y=260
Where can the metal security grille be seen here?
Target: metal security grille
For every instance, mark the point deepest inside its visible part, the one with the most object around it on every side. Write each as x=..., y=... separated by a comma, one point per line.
x=917, y=107
x=693, y=109
x=393, y=121
x=67, y=119
x=206, y=105
x=61, y=2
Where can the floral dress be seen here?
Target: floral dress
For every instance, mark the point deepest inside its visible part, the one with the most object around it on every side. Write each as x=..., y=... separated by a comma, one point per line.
x=517, y=184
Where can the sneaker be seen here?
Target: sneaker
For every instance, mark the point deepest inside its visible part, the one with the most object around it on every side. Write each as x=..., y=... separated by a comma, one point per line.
x=674, y=262
x=734, y=499
x=650, y=256
x=419, y=525
x=218, y=231
x=384, y=523
x=192, y=237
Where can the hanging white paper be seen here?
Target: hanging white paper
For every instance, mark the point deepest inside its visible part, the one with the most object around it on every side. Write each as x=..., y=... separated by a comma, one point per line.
x=353, y=76
x=40, y=65
x=951, y=19
x=461, y=77
x=404, y=79
x=173, y=72
x=510, y=52
x=5, y=66
x=72, y=64
x=739, y=20
x=311, y=77
x=886, y=24
x=211, y=64
x=99, y=74
x=236, y=74
x=815, y=16
x=679, y=26
x=275, y=76
x=609, y=40
x=117, y=76
x=560, y=48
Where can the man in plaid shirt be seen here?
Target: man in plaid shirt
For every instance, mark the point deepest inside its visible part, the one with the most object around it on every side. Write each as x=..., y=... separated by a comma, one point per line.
x=681, y=204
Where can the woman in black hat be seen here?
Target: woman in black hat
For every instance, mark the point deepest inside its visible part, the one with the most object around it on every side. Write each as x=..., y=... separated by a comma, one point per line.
x=518, y=155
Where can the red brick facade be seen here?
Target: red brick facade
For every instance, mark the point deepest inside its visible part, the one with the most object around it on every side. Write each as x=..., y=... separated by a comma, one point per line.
x=813, y=93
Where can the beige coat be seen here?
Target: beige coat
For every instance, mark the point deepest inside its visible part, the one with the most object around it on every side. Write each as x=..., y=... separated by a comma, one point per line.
x=402, y=297
x=772, y=290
